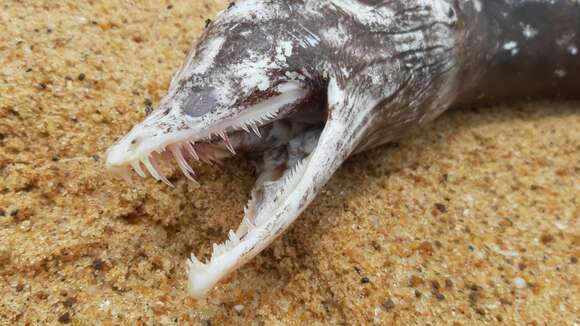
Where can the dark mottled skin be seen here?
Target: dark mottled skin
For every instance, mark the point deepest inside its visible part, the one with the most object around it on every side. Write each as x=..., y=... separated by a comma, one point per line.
x=478, y=66
x=500, y=76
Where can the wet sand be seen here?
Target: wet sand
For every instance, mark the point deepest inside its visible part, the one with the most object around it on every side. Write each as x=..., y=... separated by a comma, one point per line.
x=473, y=220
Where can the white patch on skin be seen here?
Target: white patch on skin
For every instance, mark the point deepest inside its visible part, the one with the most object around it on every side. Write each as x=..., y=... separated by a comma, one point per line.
x=209, y=53
x=224, y=93
x=284, y=50
x=208, y=56
x=337, y=36
x=254, y=77
x=365, y=14
x=440, y=10
x=561, y=73
x=345, y=72
x=477, y=5
x=573, y=50
x=512, y=47
x=529, y=32
x=262, y=11
x=253, y=72
x=565, y=40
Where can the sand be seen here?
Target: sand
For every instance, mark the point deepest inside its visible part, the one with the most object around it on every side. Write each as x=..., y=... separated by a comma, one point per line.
x=474, y=220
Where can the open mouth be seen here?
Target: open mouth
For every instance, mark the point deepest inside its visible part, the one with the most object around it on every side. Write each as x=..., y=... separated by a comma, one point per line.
x=283, y=128
x=208, y=144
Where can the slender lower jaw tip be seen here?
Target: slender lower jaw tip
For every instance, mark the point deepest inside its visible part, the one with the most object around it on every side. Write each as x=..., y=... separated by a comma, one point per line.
x=201, y=280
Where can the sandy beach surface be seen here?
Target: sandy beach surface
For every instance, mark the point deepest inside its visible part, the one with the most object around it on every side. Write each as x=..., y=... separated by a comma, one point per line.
x=473, y=220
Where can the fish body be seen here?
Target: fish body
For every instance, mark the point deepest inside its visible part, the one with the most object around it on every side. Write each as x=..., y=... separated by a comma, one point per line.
x=302, y=85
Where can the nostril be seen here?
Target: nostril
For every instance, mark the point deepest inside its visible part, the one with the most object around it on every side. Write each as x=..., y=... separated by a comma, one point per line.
x=134, y=141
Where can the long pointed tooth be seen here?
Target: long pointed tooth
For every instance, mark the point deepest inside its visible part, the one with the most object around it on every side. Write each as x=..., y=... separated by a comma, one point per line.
x=163, y=178
x=137, y=167
x=226, y=139
x=245, y=128
x=182, y=163
x=191, y=149
x=150, y=168
x=178, y=155
x=217, y=250
x=151, y=165
x=195, y=263
x=230, y=148
x=256, y=130
x=233, y=237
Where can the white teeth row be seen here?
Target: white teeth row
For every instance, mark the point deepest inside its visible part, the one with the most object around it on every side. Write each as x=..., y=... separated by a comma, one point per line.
x=234, y=238
x=248, y=224
x=253, y=124
x=220, y=249
x=153, y=168
x=177, y=150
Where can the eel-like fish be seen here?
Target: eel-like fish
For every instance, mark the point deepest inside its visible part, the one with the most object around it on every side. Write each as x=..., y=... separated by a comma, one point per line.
x=301, y=85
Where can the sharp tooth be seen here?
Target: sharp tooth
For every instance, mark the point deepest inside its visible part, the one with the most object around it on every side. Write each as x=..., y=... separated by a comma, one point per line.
x=176, y=151
x=189, y=146
x=245, y=128
x=137, y=167
x=256, y=130
x=151, y=165
x=150, y=168
x=226, y=139
x=194, y=263
x=182, y=163
x=233, y=237
x=217, y=250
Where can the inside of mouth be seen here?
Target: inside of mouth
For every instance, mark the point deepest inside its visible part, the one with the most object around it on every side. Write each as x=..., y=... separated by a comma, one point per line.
x=288, y=124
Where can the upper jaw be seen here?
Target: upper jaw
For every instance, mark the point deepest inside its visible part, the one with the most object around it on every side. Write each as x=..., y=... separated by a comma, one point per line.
x=171, y=130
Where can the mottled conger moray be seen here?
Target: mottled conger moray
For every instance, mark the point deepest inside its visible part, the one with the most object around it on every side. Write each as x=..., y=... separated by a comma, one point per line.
x=301, y=85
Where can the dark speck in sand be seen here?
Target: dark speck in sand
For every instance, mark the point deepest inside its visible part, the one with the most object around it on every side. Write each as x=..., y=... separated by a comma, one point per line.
x=98, y=264
x=64, y=318
x=389, y=304
x=441, y=208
